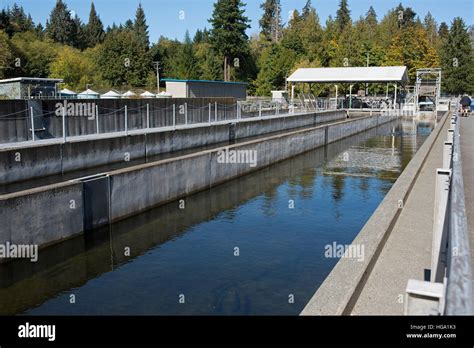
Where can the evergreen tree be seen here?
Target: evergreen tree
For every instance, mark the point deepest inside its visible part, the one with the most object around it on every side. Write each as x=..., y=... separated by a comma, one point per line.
x=306, y=9
x=371, y=17
x=94, y=29
x=141, y=28
x=6, y=55
x=270, y=22
x=187, y=64
x=457, y=60
x=343, y=15
x=431, y=28
x=61, y=27
x=228, y=36
x=443, y=31
x=19, y=21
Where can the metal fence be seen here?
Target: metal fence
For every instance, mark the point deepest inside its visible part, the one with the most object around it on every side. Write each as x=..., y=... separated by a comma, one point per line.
x=449, y=290
x=87, y=118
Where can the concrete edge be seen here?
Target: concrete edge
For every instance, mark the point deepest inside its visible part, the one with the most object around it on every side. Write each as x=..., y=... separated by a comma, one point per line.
x=340, y=290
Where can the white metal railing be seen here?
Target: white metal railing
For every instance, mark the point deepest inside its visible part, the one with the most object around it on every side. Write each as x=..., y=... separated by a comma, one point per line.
x=449, y=291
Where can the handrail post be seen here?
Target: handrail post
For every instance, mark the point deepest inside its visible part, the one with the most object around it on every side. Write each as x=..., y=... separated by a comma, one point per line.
x=174, y=116
x=209, y=113
x=126, y=120
x=32, y=124
x=97, y=118
x=186, y=113
x=64, y=123
x=148, y=116
x=215, y=111
x=438, y=252
x=260, y=109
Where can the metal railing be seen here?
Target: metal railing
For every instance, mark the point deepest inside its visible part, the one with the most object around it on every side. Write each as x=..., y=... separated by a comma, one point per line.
x=449, y=291
x=31, y=125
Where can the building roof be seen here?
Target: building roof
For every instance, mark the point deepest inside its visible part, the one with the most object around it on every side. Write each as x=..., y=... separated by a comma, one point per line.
x=37, y=79
x=351, y=74
x=66, y=91
x=205, y=81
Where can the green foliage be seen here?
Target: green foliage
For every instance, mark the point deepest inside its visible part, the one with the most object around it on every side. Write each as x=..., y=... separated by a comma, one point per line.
x=74, y=66
x=122, y=55
x=141, y=28
x=458, y=60
x=94, y=29
x=343, y=16
x=228, y=36
x=187, y=66
x=35, y=54
x=6, y=55
x=270, y=23
x=61, y=26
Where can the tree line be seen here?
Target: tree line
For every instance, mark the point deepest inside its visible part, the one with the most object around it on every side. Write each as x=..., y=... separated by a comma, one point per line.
x=122, y=56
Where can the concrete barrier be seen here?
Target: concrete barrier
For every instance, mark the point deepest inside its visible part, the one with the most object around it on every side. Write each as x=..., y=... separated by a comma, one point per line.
x=23, y=163
x=139, y=188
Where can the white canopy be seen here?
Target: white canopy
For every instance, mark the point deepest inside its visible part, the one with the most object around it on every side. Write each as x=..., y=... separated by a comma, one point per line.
x=147, y=94
x=163, y=95
x=129, y=94
x=111, y=95
x=88, y=93
x=350, y=74
x=66, y=91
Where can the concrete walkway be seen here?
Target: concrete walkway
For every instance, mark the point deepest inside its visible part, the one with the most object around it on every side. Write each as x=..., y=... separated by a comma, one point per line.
x=407, y=252
x=467, y=160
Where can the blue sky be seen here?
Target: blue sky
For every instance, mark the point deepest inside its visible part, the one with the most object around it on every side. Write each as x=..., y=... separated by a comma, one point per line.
x=163, y=16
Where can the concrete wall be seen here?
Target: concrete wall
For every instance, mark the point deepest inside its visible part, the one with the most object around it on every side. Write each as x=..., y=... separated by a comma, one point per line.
x=44, y=160
x=44, y=215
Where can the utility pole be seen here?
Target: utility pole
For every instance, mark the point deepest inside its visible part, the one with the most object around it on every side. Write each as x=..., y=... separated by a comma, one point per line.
x=157, y=66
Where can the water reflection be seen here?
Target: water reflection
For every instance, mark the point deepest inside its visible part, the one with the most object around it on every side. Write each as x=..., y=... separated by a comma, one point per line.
x=280, y=218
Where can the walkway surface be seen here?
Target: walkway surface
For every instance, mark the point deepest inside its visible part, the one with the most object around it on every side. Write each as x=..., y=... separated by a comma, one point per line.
x=467, y=160
x=407, y=252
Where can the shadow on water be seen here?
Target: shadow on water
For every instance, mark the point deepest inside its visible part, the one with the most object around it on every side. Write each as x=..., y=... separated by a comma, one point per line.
x=238, y=248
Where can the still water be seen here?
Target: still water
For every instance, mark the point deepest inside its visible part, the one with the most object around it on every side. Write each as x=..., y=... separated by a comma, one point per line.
x=255, y=245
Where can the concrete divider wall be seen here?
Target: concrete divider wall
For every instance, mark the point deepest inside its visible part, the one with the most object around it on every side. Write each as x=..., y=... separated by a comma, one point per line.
x=42, y=216
x=43, y=160
x=89, y=154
